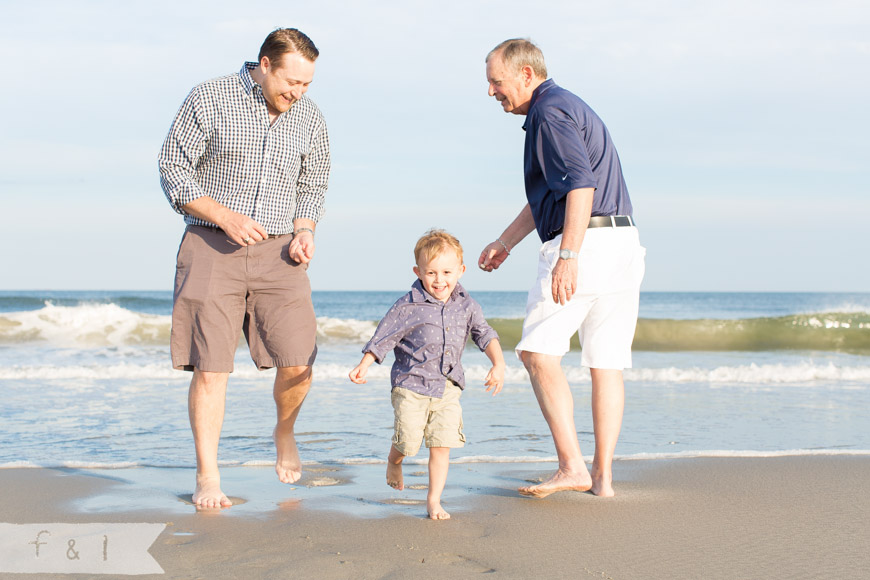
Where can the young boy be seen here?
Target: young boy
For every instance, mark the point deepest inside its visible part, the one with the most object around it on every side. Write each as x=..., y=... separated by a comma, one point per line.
x=427, y=329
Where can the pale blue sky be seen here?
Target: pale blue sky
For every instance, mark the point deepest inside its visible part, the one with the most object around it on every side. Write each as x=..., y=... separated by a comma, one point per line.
x=742, y=128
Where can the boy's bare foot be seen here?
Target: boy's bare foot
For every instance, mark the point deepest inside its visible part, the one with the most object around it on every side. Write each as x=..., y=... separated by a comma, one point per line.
x=395, y=479
x=288, y=466
x=208, y=493
x=560, y=481
x=436, y=512
x=602, y=483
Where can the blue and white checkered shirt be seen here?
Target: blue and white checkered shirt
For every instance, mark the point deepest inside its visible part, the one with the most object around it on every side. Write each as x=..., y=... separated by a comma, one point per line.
x=222, y=145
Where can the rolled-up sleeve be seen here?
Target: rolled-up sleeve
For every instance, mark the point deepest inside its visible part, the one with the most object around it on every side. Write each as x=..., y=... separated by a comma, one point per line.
x=387, y=335
x=481, y=332
x=314, y=176
x=184, y=146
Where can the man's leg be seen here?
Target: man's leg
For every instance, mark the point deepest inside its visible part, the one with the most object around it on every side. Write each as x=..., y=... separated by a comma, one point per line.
x=291, y=387
x=205, y=402
x=557, y=404
x=608, y=402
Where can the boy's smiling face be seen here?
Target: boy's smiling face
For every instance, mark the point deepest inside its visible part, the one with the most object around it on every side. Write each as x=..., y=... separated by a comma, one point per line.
x=441, y=273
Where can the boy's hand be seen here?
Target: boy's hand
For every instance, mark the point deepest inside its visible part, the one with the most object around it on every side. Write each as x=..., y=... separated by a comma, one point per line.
x=358, y=374
x=495, y=379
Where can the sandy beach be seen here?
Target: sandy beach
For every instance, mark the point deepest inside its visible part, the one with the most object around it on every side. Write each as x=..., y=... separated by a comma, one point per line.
x=780, y=517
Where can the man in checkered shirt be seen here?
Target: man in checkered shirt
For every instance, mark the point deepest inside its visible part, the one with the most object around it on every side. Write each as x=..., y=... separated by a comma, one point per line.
x=246, y=162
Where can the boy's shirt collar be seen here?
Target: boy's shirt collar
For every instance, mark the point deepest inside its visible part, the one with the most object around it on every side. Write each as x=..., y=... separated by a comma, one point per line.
x=419, y=294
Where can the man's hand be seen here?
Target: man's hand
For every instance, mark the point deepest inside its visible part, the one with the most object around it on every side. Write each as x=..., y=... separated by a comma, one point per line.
x=564, y=280
x=492, y=256
x=302, y=247
x=241, y=229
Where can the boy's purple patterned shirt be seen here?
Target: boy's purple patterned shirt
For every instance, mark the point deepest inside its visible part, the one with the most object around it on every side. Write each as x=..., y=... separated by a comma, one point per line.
x=428, y=337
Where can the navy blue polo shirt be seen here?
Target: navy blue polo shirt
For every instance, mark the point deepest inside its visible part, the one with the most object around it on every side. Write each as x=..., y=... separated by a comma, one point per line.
x=568, y=147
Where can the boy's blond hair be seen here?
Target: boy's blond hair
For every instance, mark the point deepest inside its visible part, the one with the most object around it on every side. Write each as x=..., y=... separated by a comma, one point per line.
x=433, y=243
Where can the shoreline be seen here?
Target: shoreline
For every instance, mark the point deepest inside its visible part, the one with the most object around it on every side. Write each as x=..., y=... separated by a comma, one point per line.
x=463, y=460
x=714, y=517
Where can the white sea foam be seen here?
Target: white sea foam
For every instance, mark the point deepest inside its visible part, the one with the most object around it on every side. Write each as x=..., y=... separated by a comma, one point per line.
x=802, y=373
x=86, y=325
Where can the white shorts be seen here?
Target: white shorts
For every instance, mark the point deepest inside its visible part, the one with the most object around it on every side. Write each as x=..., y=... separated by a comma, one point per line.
x=603, y=309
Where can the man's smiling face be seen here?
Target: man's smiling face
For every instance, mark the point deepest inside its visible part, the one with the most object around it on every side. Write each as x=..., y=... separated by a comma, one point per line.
x=286, y=81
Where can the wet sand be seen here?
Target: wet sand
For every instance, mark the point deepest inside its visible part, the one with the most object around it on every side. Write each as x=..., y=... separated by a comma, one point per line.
x=783, y=517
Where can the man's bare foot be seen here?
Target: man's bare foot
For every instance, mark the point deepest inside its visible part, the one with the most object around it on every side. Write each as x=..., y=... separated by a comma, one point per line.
x=602, y=483
x=395, y=479
x=288, y=466
x=560, y=481
x=436, y=512
x=208, y=493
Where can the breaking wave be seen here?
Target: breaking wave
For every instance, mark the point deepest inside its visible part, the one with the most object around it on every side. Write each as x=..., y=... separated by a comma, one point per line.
x=99, y=325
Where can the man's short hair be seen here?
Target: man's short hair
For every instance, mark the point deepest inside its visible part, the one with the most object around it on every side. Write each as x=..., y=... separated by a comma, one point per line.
x=519, y=52
x=433, y=243
x=287, y=40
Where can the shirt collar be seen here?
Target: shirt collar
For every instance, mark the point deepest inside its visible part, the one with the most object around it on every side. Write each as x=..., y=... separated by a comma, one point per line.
x=419, y=294
x=245, y=75
x=539, y=90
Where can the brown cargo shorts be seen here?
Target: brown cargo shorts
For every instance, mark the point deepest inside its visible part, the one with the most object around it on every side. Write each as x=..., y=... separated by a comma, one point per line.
x=223, y=289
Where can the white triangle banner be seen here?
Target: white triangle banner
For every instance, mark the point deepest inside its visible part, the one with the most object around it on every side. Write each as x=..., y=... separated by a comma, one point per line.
x=64, y=548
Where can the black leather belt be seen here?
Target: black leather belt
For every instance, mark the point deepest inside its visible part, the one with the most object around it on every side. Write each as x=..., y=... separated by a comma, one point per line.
x=217, y=230
x=604, y=221
x=611, y=221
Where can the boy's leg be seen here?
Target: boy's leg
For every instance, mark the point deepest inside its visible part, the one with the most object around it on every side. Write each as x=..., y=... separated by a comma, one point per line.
x=443, y=432
x=439, y=463
x=395, y=479
x=410, y=411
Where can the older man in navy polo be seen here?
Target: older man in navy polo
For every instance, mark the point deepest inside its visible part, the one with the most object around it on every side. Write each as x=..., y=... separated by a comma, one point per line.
x=590, y=266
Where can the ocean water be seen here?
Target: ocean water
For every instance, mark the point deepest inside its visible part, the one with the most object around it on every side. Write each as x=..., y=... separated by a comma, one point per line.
x=85, y=380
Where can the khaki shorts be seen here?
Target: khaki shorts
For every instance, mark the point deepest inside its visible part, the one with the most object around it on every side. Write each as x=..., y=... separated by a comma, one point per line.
x=603, y=310
x=439, y=420
x=223, y=289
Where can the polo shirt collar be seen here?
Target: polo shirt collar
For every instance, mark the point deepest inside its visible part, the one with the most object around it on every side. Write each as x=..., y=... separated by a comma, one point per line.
x=419, y=294
x=540, y=90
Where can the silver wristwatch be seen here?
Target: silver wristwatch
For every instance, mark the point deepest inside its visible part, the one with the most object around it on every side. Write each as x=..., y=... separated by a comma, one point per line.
x=566, y=254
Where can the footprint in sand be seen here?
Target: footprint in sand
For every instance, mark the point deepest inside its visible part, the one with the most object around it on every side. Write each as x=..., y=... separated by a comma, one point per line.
x=417, y=486
x=404, y=501
x=322, y=481
x=319, y=469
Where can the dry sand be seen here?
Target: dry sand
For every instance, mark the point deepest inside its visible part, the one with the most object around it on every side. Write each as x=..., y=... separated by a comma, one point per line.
x=785, y=517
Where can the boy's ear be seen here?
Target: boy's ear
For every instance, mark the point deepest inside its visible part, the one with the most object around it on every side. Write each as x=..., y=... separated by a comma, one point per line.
x=416, y=271
x=461, y=271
